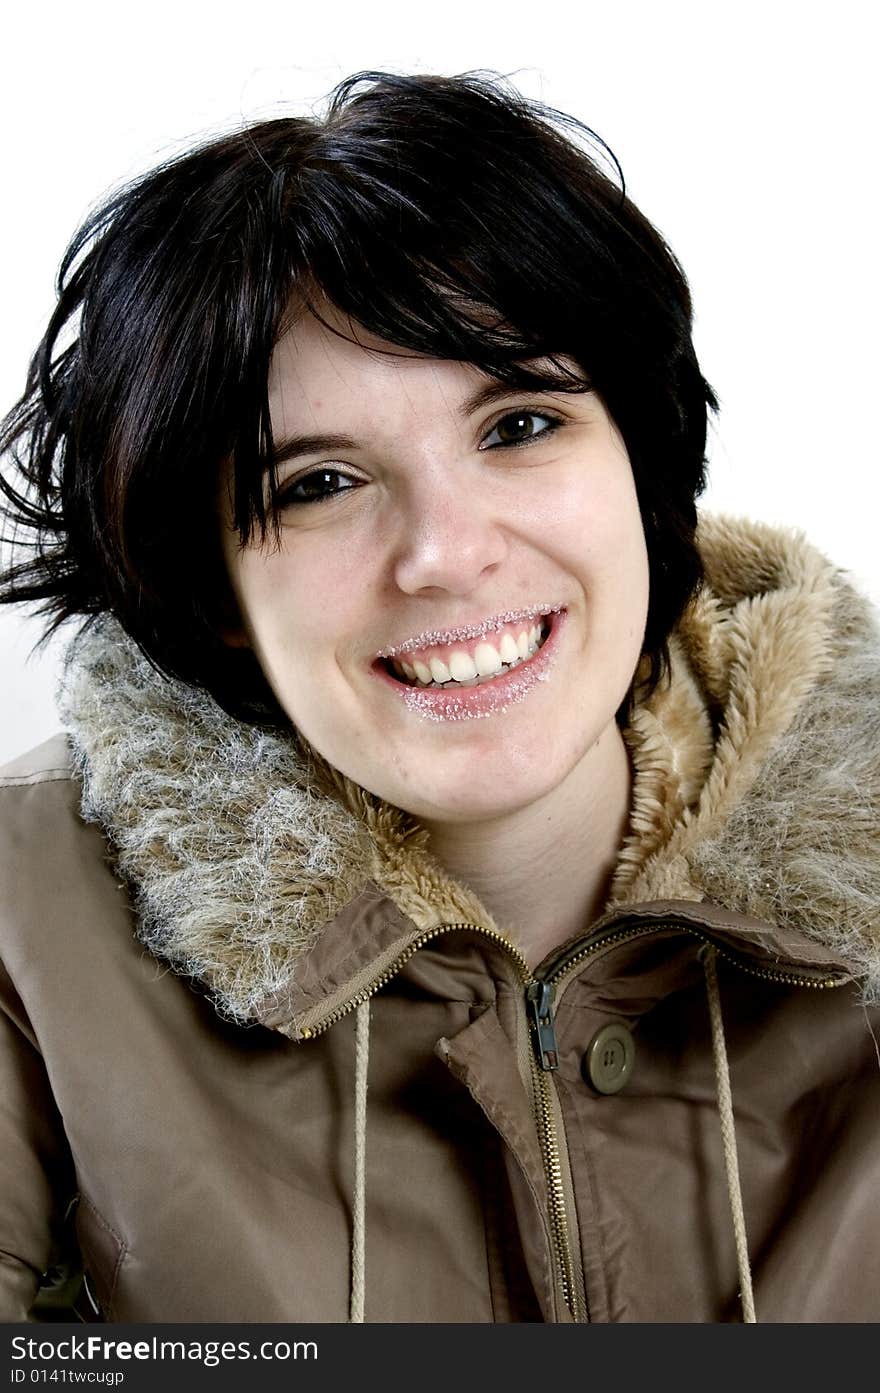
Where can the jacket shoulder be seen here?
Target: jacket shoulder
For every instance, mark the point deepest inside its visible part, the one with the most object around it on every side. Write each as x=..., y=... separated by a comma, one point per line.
x=49, y=854
x=40, y=798
x=45, y=763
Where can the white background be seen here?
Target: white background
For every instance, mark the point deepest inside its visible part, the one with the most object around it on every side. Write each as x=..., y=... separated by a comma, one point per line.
x=747, y=133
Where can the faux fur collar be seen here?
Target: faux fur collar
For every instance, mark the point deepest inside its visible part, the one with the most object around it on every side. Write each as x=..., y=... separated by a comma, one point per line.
x=757, y=785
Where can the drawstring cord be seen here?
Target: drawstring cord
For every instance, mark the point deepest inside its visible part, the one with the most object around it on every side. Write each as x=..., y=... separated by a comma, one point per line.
x=362, y=1055
x=725, y=1112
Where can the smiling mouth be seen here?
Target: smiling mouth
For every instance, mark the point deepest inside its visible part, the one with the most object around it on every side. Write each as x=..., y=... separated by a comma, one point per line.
x=472, y=663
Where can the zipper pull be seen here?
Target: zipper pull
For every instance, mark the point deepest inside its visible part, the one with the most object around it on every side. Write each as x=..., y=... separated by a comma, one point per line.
x=539, y=1004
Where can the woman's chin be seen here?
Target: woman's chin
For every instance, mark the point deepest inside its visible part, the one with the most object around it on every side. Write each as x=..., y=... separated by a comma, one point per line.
x=483, y=792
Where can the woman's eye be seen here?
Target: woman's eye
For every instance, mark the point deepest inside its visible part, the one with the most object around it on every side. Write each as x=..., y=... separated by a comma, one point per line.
x=518, y=427
x=312, y=488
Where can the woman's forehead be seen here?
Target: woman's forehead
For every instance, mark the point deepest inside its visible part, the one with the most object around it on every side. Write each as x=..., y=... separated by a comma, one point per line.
x=313, y=347
x=336, y=362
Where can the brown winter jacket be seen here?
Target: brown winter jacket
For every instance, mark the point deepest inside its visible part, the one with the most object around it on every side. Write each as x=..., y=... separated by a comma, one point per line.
x=274, y=1065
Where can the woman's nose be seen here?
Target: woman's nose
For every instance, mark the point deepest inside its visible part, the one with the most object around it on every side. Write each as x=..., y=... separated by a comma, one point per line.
x=448, y=541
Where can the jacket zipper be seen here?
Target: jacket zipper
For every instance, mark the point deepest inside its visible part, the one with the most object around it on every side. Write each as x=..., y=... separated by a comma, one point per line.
x=544, y=1057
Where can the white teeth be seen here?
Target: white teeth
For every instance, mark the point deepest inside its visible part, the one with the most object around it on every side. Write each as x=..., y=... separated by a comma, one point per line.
x=462, y=667
x=487, y=660
x=439, y=671
x=423, y=673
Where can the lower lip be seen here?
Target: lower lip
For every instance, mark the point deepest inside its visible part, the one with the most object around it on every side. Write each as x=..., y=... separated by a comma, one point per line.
x=489, y=698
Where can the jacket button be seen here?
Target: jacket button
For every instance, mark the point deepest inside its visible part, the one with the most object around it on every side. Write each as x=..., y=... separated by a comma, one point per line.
x=608, y=1061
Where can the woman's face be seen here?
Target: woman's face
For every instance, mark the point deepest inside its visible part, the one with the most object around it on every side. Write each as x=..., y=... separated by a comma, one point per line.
x=439, y=527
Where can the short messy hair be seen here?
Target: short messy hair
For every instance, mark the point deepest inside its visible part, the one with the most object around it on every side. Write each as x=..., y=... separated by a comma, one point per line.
x=448, y=215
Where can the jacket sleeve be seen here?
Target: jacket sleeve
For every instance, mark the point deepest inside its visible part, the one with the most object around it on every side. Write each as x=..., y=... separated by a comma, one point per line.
x=36, y=1170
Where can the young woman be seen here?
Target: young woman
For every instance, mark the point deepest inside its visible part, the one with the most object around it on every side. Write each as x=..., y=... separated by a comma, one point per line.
x=454, y=897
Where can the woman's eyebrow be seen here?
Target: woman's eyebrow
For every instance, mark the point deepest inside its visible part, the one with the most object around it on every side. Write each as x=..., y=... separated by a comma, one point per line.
x=292, y=446
x=487, y=394
x=494, y=390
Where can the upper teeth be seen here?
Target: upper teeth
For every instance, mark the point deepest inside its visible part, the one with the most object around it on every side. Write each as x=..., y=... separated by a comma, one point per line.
x=488, y=659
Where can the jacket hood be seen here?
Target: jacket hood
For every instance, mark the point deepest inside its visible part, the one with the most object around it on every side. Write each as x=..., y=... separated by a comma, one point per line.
x=756, y=786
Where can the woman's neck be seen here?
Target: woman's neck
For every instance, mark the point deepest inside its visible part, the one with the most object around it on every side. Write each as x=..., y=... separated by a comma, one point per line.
x=544, y=871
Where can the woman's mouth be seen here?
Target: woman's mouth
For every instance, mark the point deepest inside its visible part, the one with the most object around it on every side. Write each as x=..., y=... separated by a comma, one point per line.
x=477, y=672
